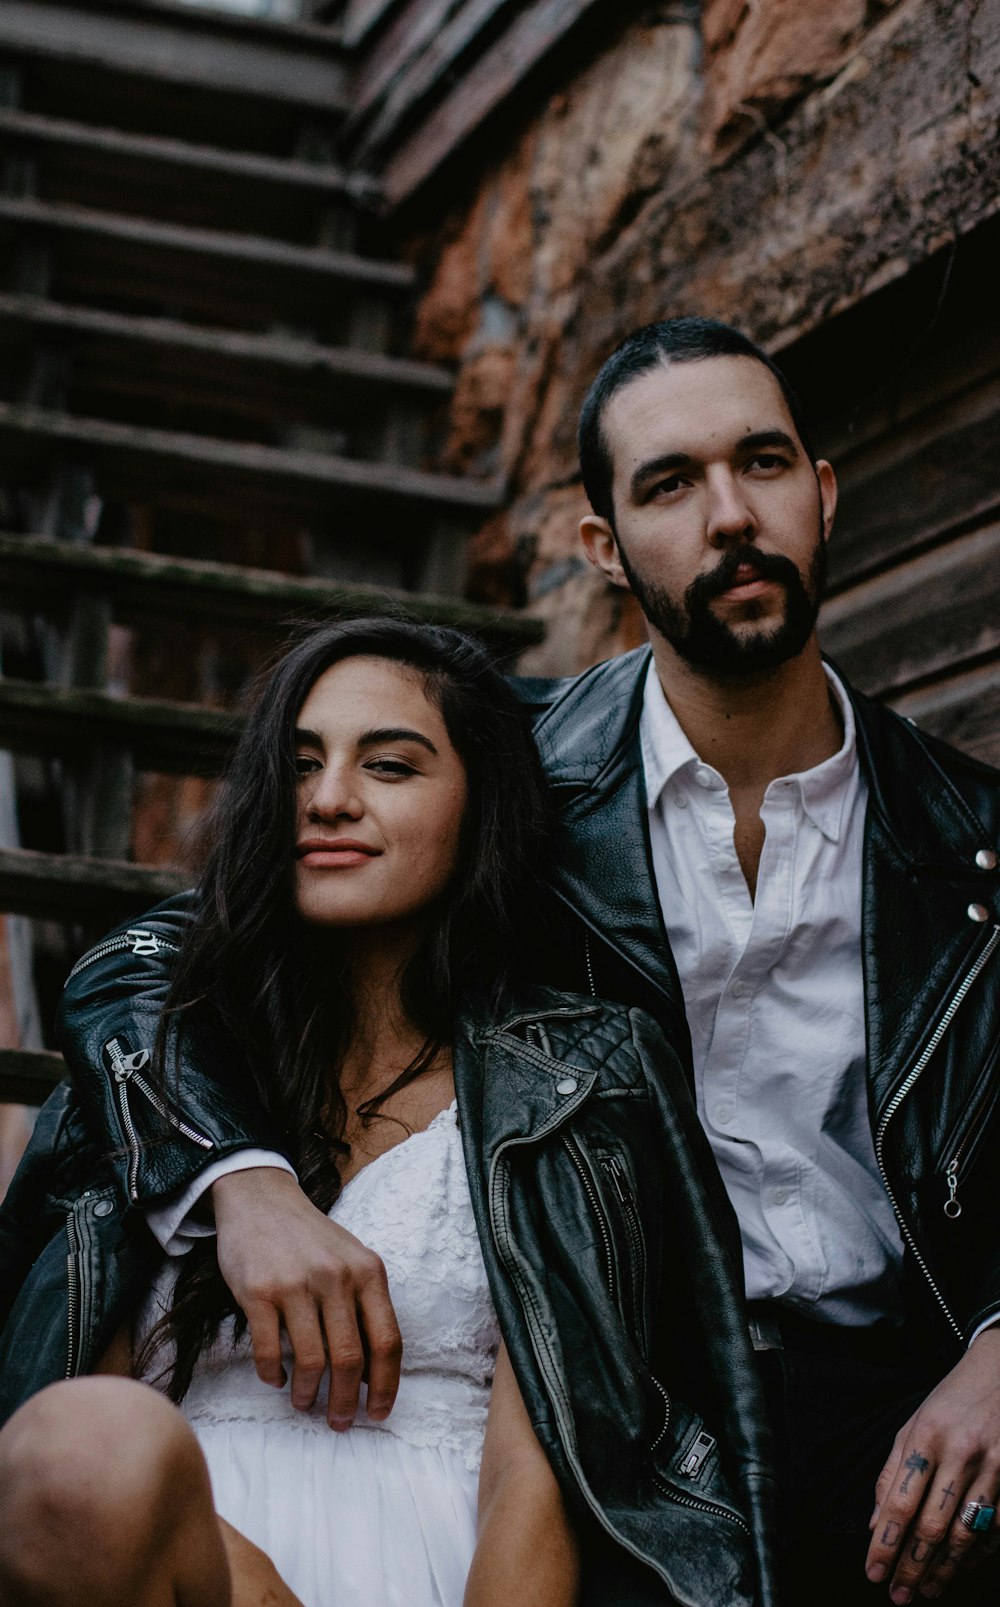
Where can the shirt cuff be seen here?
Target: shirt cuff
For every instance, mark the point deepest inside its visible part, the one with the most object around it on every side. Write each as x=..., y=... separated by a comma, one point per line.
x=173, y=1225
x=987, y=1322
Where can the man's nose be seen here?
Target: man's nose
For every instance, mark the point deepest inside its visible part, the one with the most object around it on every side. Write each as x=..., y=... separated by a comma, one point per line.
x=730, y=516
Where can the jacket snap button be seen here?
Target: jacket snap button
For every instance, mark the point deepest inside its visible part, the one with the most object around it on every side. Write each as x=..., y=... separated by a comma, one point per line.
x=986, y=859
x=978, y=912
x=103, y=1208
x=566, y=1085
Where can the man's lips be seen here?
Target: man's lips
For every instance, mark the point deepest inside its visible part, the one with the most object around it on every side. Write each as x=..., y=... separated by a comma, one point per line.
x=334, y=852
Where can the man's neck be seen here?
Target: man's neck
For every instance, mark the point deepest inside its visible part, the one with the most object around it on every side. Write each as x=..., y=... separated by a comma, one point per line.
x=754, y=729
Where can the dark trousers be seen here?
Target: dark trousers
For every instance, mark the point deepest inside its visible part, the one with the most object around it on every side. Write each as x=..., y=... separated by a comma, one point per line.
x=836, y=1402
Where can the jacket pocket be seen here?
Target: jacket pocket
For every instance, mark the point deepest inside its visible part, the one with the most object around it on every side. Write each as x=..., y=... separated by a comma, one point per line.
x=126, y=1065
x=965, y=1141
x=633, y=1260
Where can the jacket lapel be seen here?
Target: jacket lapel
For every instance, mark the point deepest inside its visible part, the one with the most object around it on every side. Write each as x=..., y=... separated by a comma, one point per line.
x=919, y=880
x=589, y=740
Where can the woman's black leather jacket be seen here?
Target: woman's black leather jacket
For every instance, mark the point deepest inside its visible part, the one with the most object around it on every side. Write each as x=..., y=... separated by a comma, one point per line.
x=611, y=1252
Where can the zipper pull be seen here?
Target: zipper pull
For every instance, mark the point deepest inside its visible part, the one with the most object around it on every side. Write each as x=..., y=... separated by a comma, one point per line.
x=127, y=1065
x=952, y=1205
x=143, y=942
x=615, y=1171
x=692, y=1463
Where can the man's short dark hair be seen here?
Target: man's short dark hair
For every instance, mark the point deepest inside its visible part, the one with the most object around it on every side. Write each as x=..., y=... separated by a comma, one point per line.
x=677, y=340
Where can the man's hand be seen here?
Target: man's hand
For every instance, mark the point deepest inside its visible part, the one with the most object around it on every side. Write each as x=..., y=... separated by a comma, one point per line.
x=947, y=1455
x=289, y=1266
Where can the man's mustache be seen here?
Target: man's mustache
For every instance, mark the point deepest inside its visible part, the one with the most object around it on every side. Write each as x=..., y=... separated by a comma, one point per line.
x=766, y=566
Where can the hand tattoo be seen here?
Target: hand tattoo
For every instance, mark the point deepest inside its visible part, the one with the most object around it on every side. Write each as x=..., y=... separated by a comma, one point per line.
x=946, y=1496
x=920, y=1549
x=915, y=1463
x=891, y=1532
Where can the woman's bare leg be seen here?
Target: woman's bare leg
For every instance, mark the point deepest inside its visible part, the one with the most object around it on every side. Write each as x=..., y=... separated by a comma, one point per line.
x=106, y=1500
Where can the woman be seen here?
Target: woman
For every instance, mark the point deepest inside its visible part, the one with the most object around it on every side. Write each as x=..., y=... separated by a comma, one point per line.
x=377, y=859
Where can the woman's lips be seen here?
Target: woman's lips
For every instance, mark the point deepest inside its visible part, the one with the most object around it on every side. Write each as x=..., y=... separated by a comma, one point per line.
x=334, y=855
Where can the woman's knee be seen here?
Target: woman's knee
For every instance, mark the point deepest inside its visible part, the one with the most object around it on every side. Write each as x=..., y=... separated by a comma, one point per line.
x=94, y=1473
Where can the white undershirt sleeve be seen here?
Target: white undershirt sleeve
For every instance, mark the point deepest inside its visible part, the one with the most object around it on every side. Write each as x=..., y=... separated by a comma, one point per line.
x=175, y=1227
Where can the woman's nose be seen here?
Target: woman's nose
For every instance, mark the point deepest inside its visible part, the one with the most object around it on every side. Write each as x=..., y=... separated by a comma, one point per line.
x=335, y=796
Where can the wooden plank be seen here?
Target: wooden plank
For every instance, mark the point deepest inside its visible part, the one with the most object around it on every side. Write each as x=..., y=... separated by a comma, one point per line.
x=169, y=738
x=185, y=46
x=28, y=1076
x=918, y=485
x=221, y=360
x=963, y=709
x=426, y=50
x=172, y=466
x=922, y=618
x=70, y=887
x=153, y=152
x=228, y=247
x=359, y=18
x=480, y=91
x=145, y=586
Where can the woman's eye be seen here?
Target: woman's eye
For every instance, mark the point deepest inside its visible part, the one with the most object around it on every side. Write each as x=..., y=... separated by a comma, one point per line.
x=391, y=768
x=306, y=764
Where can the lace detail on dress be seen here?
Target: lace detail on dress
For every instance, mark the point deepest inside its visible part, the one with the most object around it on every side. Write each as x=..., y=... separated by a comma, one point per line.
x=412, y=1207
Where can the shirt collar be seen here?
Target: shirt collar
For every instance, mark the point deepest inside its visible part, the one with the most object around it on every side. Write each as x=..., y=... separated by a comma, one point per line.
x=824, y=790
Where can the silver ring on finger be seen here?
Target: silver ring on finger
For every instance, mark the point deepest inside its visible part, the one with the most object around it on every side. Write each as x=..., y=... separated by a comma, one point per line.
x=977, y=1516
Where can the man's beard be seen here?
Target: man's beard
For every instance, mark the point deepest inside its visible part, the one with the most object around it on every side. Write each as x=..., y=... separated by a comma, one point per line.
x=715, y=648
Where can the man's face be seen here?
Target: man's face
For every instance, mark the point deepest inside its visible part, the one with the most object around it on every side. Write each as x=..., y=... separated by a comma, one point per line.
x=720, y=518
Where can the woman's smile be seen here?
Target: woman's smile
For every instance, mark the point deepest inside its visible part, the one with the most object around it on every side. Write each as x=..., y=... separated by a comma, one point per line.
x=337, y=853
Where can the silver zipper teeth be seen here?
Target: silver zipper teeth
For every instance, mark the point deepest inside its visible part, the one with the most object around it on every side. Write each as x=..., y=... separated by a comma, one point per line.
x=700, y=1506
x=595, y=1204
x=590, y=965
x=667, y=1408
x=175, y=1121
x=72, y=1296
x=624, y=1193
x=131, y=1140
x=897, y=1099
x=133, y=939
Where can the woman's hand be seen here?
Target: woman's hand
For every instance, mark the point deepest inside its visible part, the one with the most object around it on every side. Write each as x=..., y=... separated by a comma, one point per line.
x=289, y=1266
x=526, y=1551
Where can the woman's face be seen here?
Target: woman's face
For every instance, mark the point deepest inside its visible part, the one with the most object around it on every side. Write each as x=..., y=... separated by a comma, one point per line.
x=381, y=795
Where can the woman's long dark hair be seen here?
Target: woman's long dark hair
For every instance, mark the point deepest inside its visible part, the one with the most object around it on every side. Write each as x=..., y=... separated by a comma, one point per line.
x=278, y=989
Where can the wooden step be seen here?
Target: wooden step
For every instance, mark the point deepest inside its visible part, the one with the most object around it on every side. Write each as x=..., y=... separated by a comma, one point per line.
x=147, y=587
x=117, y=357
x=71, y=888
x=172, y=179
x=237, y=280
x=223, y=78
x=168, y=738
x=194, y=472
x=28, y=1076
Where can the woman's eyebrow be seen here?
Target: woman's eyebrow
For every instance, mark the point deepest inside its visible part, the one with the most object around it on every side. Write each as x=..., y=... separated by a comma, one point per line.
x=305, y=738
x=395, y=733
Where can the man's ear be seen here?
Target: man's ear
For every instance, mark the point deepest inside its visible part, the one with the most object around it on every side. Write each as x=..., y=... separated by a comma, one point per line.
x=827, y=494
x=602, y=549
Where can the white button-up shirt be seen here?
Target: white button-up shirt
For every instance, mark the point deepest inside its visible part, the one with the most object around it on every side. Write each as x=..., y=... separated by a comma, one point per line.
x=774, y=997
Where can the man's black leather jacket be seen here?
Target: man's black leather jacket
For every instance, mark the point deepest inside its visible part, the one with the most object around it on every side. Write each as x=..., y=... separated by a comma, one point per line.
x=613, y=1262
x=930, y=909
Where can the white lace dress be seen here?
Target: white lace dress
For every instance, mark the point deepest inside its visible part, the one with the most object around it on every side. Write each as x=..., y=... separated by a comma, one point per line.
x=384, y=1515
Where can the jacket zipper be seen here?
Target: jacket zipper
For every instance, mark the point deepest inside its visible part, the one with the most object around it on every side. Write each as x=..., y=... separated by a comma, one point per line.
x=620, y=1184
x=125, y=1075
x=72, y=1295
x=136, y=939
x=898, y=1097
x=953, y=1205
x=700, y=1505
x=583, y=1171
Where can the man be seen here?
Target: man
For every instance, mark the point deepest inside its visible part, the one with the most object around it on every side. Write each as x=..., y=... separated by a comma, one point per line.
x=805, y=890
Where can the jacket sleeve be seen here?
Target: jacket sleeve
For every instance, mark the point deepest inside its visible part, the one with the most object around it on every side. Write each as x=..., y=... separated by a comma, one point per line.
x=107, y=1027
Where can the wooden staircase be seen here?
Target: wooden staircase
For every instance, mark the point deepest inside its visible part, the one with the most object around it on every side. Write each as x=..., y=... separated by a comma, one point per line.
x=209, y=427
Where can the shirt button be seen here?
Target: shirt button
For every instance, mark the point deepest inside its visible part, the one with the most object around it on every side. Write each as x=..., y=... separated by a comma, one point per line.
x=566, y=1085
x=739, y=990
x=978, y=912
x=680, y=800
x=986, y=859
x=724, y=1113
x=779, y=1196
x=103, y=1208
x=703, y=777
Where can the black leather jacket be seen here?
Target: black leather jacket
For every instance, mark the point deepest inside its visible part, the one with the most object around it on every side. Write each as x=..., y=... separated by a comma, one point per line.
x=598, y=1207
x=930, y=906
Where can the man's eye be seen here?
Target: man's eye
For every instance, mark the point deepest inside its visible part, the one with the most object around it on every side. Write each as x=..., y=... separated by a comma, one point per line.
x=672, y=483
x=767, y=461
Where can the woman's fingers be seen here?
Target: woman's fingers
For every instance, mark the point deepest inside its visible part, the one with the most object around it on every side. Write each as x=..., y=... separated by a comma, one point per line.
x=383, y=1341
